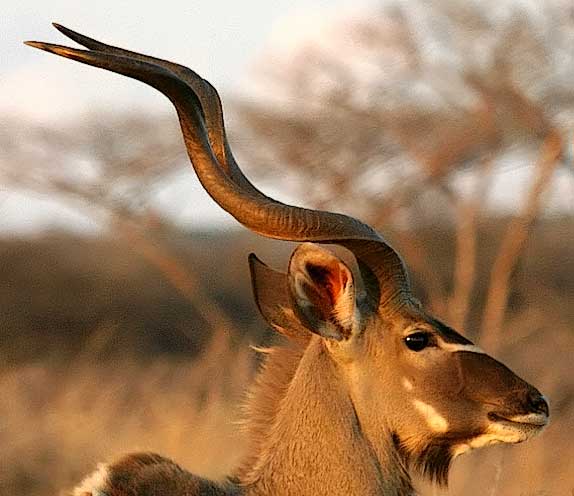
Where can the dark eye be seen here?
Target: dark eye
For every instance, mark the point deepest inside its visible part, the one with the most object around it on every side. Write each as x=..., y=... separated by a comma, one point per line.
x=417, y=341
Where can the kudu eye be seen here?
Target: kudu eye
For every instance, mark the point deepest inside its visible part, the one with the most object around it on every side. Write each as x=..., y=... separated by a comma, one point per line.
x=417, y=341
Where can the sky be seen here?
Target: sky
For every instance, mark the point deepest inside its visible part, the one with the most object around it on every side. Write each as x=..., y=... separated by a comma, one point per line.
x=219, y=39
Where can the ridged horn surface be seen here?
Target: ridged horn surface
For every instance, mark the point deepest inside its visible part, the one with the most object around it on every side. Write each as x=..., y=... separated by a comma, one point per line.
x=200, y=114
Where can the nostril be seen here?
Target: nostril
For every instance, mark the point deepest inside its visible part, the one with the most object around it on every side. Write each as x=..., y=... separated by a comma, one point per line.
x=538, y=403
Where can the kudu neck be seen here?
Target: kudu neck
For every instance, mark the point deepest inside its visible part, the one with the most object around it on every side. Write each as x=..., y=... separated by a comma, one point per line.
x=317, y=445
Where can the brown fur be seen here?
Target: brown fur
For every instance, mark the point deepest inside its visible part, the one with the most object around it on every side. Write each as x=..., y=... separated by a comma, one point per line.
x=316, y=444
x=150, y=474
x=264, y=398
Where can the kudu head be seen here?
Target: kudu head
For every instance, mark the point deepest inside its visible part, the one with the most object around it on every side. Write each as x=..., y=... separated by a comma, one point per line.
x=411, y=379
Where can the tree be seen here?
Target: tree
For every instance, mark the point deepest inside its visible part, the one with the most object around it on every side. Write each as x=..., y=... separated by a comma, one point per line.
x=390, y=114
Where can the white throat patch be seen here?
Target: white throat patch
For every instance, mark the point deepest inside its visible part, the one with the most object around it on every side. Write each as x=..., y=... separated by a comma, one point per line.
x=434, y=419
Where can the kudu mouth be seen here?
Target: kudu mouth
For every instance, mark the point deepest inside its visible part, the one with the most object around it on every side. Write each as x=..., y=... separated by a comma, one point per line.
x=522, y=426
x=527, y=422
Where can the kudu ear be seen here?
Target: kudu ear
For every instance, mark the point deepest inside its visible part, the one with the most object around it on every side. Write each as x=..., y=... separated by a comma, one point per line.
x=323, y=292
x=271, y=292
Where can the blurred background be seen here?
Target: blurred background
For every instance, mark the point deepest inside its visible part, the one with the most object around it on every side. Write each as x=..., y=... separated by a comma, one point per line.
x=125, y=305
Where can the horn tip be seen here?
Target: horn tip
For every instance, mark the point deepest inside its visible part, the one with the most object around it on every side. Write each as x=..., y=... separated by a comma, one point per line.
x=49, y=47
x=63, y=29
x=35, y=44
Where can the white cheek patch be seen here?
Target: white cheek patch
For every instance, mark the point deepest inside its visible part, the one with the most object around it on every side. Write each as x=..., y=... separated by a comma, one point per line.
x=434, y=419
x=95, y=484
x=408, y=385
x=454, y=347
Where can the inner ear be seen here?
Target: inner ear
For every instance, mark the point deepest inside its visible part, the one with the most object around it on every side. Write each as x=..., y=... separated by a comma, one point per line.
x=333, y=278
x=323, y=292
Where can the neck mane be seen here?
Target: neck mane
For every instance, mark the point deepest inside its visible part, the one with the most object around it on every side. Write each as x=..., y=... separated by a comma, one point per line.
x=304, y=435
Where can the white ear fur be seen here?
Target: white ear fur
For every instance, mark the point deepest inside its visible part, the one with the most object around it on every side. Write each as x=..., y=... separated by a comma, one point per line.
x=323, y=292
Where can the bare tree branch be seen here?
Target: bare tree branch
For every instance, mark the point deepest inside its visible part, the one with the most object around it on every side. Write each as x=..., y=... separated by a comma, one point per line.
x=514, y=241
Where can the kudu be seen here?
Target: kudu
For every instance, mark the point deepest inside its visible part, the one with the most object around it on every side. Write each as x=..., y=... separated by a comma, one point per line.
x=367, y=386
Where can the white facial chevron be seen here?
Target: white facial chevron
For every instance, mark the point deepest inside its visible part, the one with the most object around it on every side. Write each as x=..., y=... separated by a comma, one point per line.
x=454, y=347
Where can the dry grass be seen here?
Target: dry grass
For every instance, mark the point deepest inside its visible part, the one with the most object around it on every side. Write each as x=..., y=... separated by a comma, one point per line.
x=71, y=401
x=57, y=423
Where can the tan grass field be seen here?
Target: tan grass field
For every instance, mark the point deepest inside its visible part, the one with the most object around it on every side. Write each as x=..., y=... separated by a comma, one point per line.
x=63, y=412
